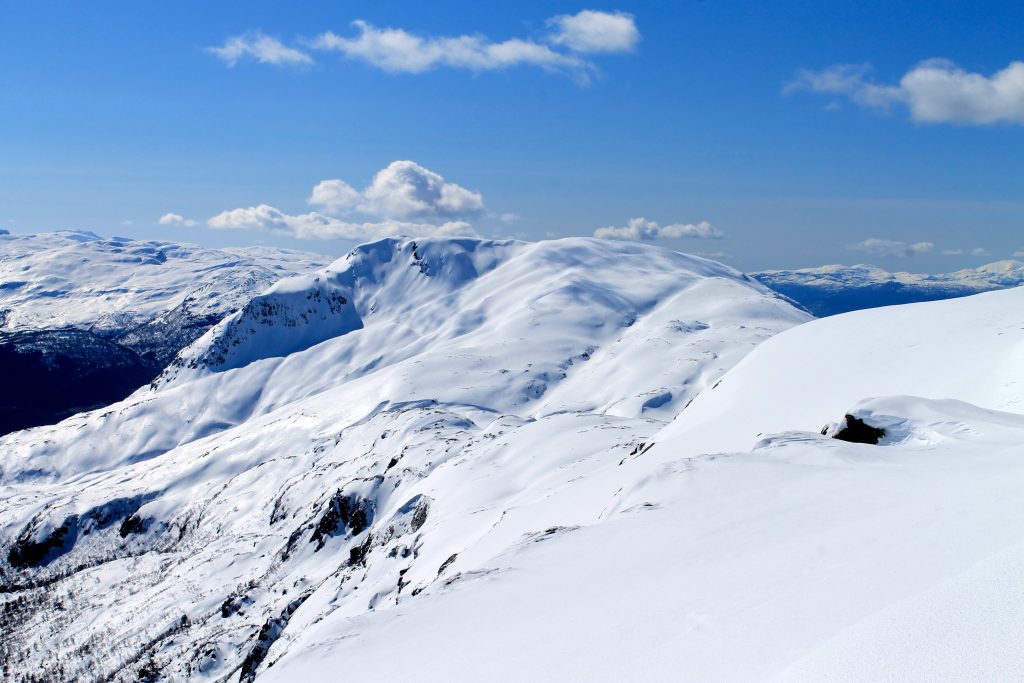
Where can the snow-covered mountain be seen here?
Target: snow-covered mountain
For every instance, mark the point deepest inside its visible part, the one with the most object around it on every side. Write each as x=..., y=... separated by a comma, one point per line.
x=456, y=459
x=829, y=290
x=353, y=441
x=85, y=320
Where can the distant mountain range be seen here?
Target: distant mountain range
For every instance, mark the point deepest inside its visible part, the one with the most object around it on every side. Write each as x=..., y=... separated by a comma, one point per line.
x=829, y=290
x=84, y=320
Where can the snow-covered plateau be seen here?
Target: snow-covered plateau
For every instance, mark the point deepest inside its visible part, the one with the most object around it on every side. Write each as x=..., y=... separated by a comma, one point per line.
x=86, y=320
x=458, y=459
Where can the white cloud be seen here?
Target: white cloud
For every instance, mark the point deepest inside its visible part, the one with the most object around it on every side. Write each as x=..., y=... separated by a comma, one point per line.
x=980, y=251
x=892, y=248
x=259, y=47
x=593, y=31
x=643, y=229
x=398, y=51
x=405, y=197
x=509, y=217
x=953, y=252
x=335, y=196
x=175, y=219
x=403, y=190
x=318, y=226
x=934, y=91
x=407, y=190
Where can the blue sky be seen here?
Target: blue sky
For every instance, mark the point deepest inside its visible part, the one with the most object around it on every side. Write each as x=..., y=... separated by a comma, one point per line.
x=752, y=131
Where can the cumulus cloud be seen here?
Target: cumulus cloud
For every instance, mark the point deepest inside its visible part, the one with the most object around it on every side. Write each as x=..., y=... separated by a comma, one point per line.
x=175, y=219
x=891, y=248
x=335, y=196
x=404, y=190
x=980, y=251
x=593, y=31
x=643, y=229
x=403, y=198
x=407, y=190
x=934, y=91
x=257, y=46
x=315, y=225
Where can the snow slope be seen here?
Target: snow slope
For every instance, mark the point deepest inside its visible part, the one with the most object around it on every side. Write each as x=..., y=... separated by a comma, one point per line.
x=746, y=545
x=351, y=441
x=829, y=290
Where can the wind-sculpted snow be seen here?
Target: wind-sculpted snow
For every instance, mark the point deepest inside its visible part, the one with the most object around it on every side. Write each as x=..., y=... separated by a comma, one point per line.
x=352, y=440
x=968, y=349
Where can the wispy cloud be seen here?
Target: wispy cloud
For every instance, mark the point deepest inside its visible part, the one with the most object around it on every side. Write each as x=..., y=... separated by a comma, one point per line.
x=934, y=91
x=258, y=47
x=397, y=50
x=645, y=230
x=891, y=248
x=404, y=198
x=174, y=219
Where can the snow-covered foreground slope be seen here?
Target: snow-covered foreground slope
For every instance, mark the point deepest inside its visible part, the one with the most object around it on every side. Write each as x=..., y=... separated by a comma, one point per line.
x=746, y=545
x=829, y=290
x=355, y=441
x=84, y=321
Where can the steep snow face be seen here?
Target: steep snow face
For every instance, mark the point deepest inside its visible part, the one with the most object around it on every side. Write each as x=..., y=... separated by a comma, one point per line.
x=829, y=290
x=741, y=543
x=354, y=440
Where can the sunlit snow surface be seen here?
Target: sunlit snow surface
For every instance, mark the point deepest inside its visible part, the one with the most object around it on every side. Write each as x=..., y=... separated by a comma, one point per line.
x=75, y=278
x=453, y=460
